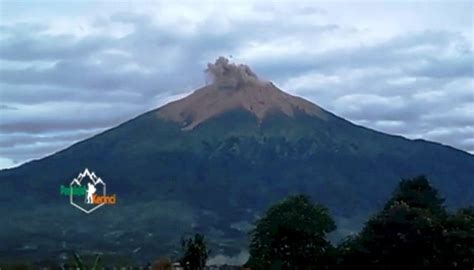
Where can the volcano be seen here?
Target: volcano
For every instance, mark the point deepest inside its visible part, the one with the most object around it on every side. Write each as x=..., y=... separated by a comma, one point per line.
x=212, y=162
x=235, y=87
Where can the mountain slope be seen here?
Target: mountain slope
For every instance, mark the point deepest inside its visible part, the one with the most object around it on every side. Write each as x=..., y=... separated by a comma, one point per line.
x=212, y=162
x=259, y=99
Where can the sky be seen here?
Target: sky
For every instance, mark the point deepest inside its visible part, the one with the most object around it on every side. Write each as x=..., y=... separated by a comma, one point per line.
x=72, y=69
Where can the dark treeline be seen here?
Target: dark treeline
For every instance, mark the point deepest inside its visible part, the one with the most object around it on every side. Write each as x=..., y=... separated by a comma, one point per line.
x=413, y=231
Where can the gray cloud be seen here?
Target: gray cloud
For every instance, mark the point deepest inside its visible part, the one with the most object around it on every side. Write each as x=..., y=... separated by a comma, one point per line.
x=43, y=94
x=31, y=43
x=402, y=52
x=24, y=146
x=65, y=117
x=7, y=107
x=461, y=66
x=19, y=139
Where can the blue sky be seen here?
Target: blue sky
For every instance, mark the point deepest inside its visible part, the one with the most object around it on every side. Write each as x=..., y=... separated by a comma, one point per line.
x=71, y=69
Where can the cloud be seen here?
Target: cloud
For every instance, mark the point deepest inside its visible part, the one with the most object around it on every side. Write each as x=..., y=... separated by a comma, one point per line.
x=6, y=163
x=238, y=259
x=74, y=116
x=7, y=107
x=32, y=45
x=408, y=74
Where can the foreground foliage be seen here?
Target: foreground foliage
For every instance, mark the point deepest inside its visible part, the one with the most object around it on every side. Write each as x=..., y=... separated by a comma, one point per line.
x=79, y=264
x=195, y=253
x=412, y=232
x=292, y=235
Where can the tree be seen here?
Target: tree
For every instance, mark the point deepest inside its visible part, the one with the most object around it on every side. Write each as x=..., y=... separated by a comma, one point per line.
x=195, y=253
x=418, y=193
x=458, y=235
x=406, y=234
x=352, y=254
x=292, y=235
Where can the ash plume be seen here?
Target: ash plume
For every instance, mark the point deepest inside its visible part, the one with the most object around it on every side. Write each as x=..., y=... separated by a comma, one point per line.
x=227, y=75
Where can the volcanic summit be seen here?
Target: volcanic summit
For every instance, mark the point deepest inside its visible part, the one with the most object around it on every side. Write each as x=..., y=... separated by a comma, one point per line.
x=235, y=87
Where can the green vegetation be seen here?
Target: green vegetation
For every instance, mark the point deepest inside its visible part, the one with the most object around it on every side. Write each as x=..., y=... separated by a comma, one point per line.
x=413, y=232
x=227, y=171
x=292, y=235
x=459, y=239
x=406, y=234
x=195, y=253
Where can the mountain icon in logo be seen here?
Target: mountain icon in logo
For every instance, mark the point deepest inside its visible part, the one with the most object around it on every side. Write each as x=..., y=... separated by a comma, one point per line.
x=84, y=191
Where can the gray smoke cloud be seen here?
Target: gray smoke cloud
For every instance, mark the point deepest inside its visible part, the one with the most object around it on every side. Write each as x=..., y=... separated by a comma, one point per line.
x=227, y=75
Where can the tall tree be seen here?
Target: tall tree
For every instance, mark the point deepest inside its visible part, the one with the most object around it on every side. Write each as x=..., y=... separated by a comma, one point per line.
x=292, y=235
x=418, y=193
x=406, y=234
x=195, y=253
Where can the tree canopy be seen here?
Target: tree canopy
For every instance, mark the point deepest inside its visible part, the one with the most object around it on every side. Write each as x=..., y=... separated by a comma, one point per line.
x=292, y=235
x=417, y=193
x=412, y=231
x=195, y=252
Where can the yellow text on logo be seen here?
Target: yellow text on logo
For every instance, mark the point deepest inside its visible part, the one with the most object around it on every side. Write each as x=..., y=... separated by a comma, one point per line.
x=104, y=199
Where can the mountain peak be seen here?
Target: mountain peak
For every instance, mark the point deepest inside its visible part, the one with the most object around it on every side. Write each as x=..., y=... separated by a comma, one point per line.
x=235, y=87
